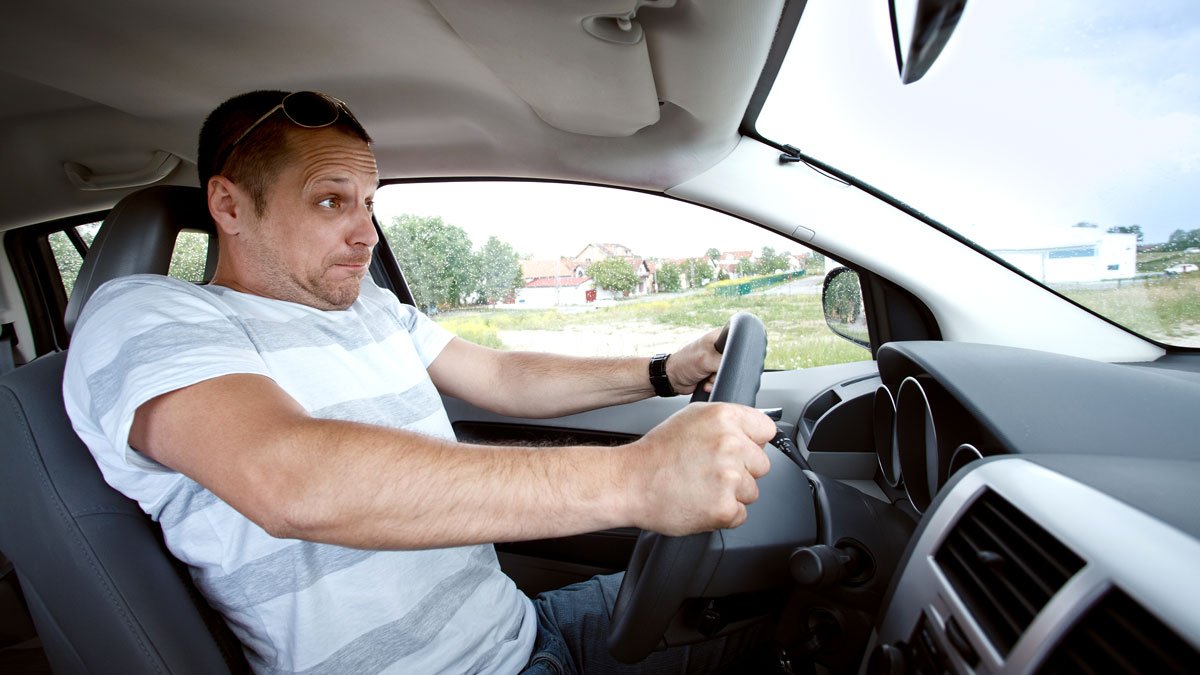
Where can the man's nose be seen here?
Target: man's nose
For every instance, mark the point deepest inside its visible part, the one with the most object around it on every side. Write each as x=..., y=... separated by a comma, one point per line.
x=364, y=228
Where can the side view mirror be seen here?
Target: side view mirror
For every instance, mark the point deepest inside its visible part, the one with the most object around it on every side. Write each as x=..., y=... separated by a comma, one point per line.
x=920, y=29
x=841, y=298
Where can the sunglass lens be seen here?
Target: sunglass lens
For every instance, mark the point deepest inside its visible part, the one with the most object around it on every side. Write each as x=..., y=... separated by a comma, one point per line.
x=309, y=109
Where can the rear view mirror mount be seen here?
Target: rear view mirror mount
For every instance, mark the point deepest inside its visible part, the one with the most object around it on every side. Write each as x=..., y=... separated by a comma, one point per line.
x=920, y=29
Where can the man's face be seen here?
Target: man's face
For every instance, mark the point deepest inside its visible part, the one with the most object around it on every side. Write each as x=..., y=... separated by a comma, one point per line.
x=312, y=244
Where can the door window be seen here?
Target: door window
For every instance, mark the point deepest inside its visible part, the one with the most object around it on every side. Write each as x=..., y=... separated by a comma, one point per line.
x=596, y=271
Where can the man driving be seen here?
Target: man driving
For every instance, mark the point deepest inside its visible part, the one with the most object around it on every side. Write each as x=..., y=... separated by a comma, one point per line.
x=284, y=426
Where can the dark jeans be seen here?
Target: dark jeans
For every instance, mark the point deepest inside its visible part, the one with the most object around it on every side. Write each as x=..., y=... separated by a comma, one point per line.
x=573, y=637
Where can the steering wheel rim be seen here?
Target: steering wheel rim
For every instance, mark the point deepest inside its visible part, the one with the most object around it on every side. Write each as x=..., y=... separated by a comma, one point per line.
x=664, y=571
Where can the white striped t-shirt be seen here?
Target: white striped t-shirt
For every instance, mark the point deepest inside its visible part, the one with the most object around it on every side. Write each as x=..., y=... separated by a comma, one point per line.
x=296, y=606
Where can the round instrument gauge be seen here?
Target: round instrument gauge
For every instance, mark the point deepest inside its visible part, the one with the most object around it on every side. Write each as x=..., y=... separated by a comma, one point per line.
x=885, y=436
x=963, y=455
x=916, y=443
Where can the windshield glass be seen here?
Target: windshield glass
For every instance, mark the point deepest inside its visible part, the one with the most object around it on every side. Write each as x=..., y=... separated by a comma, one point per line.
x=1063, y=136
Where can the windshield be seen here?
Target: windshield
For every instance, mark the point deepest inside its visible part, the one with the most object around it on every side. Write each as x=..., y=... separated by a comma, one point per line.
x=1062, y=136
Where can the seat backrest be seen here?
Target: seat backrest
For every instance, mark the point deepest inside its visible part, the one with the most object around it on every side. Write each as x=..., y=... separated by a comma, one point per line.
x=105, y=594
x=138, y=236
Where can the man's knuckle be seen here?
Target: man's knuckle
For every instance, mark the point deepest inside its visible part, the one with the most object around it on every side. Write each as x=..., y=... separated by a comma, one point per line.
x=729, y=476
x=727, y=511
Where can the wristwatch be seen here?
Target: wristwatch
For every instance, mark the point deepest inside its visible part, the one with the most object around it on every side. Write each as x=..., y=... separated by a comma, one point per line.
x=658, y=376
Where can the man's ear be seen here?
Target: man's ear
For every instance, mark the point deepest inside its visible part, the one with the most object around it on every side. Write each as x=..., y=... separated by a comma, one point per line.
x=228, y=205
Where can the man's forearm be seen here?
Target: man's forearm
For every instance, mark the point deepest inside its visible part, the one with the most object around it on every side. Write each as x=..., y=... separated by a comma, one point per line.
x=550, y=385
x=528, y=384
x=373, y=487
x=390, y=489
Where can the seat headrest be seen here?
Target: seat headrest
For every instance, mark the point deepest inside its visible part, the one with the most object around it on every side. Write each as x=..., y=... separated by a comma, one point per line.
x=138, y=237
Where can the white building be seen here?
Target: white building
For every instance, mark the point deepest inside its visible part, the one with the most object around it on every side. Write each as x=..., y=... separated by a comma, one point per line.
x=1070, y=254
x=556, y=291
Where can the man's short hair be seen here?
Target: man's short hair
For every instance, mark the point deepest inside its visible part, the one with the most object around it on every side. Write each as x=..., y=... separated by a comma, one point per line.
x=260, y=156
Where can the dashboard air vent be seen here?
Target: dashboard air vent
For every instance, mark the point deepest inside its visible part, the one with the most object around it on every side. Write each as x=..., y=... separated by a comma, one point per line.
x=1119, y=636
x=1004, y=567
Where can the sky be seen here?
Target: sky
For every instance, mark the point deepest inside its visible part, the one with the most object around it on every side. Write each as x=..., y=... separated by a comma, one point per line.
x=1038, y=115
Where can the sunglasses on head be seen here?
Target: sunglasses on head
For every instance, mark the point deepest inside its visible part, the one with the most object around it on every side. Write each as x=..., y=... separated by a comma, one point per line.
x=308, y=109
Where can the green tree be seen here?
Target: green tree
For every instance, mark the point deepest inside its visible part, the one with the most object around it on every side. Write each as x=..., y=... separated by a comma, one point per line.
x=1183, y=239
x=815, y=263
x=499, y=268
x=68, y=259
x=843, y=297
x=712, y=254
x=436, y=259
x=190, y=255
x=613, y=274
x=699, y=271
x=667, y=278
x=1128, y=229
x=771, y=262
x=746, y=268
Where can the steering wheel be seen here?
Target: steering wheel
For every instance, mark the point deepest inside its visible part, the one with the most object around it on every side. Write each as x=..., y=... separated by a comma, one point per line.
x=664, y=571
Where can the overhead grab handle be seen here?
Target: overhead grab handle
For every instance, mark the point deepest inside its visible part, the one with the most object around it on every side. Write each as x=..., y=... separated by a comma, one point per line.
x=159, y=167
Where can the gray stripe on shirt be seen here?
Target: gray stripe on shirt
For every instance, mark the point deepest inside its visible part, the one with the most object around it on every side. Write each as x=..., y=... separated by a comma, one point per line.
x=189, y=498
x=157, y=344
x=164, y=341
x=286, y=571
x=389, y=410
x=383, y=646
x=314, y=330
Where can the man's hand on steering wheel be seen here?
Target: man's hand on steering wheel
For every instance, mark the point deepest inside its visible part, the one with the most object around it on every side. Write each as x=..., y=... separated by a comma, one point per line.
x=696, y=471
x=695, y=364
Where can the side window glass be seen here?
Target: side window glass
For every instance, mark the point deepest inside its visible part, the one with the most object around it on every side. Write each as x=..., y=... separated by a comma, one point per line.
x=189, y=257
x=596, y=271
x=69, y=245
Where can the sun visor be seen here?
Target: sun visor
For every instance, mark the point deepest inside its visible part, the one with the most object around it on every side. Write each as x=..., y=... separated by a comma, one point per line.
x=582, y=66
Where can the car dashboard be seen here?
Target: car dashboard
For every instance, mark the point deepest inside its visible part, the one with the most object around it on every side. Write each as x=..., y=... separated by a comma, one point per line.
x=1052, y=497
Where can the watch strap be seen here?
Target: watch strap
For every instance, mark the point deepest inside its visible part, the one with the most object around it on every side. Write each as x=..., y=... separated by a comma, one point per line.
x=658, y=376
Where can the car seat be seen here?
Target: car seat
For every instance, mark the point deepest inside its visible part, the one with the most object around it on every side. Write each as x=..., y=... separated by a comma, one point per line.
x=104, y=592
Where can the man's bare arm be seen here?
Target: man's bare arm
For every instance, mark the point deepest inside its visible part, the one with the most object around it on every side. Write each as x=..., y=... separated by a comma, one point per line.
x=357, y=485
x=532, y=384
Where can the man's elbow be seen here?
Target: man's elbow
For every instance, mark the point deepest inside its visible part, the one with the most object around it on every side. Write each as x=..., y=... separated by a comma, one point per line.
x=283, y=508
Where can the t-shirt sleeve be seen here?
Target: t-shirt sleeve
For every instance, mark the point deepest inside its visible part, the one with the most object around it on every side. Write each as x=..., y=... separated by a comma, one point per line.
x=428, y=338
x=138, y=338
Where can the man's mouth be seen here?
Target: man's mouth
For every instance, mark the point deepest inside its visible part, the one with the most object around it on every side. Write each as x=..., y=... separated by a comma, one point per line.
x=356, y=263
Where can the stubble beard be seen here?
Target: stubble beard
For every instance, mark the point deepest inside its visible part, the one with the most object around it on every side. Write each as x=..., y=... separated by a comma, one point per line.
x=313, y=288
x=337, y=295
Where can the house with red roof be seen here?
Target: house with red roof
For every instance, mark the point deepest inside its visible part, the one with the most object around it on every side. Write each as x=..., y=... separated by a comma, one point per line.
x=555, y=282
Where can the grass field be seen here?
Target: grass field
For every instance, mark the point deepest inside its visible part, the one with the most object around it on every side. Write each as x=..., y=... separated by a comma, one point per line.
x=1157, y=261
x=797, y=336
x=1162, y=308
x=1165, y=308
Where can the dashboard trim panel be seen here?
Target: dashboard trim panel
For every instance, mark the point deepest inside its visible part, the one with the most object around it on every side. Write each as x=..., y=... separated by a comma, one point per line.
x=1122, y=546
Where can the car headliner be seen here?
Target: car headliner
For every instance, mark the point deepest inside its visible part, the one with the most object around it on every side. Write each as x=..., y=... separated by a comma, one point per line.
x=446, y=87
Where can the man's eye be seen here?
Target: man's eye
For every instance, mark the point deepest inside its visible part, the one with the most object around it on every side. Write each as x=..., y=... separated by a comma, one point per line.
x=370, y=206
x=330, y=203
